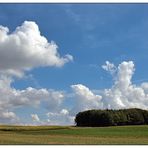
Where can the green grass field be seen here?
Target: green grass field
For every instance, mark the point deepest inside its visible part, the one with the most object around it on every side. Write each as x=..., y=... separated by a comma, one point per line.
x=73, y=135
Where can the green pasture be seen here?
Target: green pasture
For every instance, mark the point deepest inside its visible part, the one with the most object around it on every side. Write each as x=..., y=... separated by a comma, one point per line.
x=69, y=135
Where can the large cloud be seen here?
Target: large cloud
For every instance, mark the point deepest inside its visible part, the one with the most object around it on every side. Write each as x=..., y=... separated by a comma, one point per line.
x=123, y=93
x=12, y=98
x=26, y=48
x=22, y=50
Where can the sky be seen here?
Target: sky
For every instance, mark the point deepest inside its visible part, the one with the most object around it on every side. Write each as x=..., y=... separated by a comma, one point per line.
x=59, y=59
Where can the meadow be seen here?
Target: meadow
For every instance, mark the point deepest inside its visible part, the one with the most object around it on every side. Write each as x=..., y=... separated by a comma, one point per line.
x=70, y=135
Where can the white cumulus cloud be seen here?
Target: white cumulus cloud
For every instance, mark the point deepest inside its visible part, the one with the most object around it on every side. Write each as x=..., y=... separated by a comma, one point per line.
x=26, y=48
x=123, y=93
x=12, y=98
x=35, y=117
x=21, y=50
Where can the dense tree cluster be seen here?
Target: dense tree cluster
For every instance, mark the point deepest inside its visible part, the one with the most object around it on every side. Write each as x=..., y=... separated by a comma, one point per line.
x=94, y=118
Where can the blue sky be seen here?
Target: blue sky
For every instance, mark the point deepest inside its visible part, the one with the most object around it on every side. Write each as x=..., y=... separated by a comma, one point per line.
x=117, y=32
x=92, y=34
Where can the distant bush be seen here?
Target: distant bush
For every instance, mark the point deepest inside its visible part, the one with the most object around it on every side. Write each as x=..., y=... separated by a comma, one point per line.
x=94, y=118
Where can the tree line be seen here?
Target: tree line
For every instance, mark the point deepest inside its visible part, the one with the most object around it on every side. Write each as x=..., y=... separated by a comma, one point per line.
x=109, y=117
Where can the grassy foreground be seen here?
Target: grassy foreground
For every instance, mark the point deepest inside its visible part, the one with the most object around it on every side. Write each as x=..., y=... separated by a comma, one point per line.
x=73, y=135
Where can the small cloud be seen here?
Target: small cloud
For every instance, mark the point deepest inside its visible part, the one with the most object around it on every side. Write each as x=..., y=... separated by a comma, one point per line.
x=85, y=99
x=35, y=117
x=8, y=117
x=110, y=67
x=60, y=118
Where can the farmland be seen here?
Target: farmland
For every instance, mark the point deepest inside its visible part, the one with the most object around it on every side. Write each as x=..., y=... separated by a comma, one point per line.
x=73, y=135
